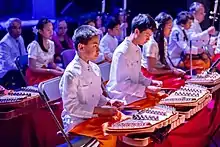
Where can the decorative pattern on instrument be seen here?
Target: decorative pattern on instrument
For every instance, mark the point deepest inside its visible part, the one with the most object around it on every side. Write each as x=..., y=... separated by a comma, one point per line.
x=30, y=89
x=187, y=94
x=19, y=95
x=196, y=86
x=152, y=111
x=11, y=99
x=131, y=124
x=166, y=108
x=145, y=118
x=213, y=76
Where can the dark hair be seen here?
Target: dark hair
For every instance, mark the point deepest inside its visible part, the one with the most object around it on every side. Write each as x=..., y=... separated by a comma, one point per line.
x=162, y=19
x=40, y=25
x=183, y=17
x=194, y=7
x=83, y=34
x=56, y=23
x=112, y=22
x=143, y=22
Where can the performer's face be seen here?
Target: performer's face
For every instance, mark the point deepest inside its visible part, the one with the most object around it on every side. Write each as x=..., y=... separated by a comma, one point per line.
x=90, y=51
x=188, y=24
x=62, y=28
x=47, y=31
x=143, y=37
x=167, y=28
x=15, y=29
x=200, y=14
x=116, y=31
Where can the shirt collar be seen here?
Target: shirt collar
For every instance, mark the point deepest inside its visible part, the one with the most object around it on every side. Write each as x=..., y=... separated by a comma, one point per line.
x=83, y=63
x=132, y=45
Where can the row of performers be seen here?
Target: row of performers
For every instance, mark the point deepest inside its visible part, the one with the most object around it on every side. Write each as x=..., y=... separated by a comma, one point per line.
x=133, y=76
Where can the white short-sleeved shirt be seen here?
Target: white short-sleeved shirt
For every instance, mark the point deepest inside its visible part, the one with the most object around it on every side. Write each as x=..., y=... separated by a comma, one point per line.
x=42, y=58
x=108, y=44
x=151, y=49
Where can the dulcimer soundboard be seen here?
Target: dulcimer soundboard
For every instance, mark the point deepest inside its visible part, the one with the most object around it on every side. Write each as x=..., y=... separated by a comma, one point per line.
x=146, y=120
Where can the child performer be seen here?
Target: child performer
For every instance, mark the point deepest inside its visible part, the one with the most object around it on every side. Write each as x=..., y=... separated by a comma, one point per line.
x=41, y=55
x=155, y=60
x=81, y=91
x=126, y=81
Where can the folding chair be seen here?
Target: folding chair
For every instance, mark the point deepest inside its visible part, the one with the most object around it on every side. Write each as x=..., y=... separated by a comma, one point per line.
x=22, y=64
x=105, y=72
x=49, y=91
x=67, y=56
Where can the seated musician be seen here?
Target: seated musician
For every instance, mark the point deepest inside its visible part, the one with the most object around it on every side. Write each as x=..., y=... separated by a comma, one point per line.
x=81, y=91
x=89, y=19
x=60, y=38
x=126, y=81
x=154, y=55
x=109, y=42
x=11, y=46
x=178, y=40
x=199, y=38
x=41, y=55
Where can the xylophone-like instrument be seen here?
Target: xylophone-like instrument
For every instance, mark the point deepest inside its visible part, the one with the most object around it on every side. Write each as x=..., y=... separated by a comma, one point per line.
x=189, y=99
x=188, y=95
x=146, y=120
x=19, y=95
x=206, y=78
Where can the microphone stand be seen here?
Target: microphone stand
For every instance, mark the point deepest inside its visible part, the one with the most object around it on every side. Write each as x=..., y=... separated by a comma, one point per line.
x=190, y=44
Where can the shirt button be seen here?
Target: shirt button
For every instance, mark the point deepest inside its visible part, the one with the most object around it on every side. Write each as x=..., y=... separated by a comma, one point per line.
x=93, y=95
x=90, y=82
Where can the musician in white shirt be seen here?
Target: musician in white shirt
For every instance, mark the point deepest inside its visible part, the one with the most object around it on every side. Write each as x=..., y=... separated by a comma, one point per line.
x=81, y=91
x=199, y=38
x=155, y=62
x=109, y=42
x=126, y=82
x=178, y=40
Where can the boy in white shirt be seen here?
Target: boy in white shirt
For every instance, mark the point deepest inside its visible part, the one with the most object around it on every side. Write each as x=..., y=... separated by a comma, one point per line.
x=126, y=81
x=109, y=42
x=81, y=91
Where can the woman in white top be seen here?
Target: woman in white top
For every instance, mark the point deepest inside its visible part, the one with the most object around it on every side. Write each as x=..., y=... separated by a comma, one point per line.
x=155, y=62
x=41, y=55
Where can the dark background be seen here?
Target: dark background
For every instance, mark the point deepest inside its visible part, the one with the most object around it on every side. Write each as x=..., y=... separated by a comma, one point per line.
x=25, y=9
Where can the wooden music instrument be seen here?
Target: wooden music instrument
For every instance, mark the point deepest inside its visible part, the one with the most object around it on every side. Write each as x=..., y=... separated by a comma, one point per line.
x=206, y=79
x=189, y=95
x=19, y=98
x=146, y=120
x=188, y=100
x=144, y=141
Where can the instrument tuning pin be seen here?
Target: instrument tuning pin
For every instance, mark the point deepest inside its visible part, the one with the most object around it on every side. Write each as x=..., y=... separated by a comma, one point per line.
x=211, y=12
x=211, y=17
